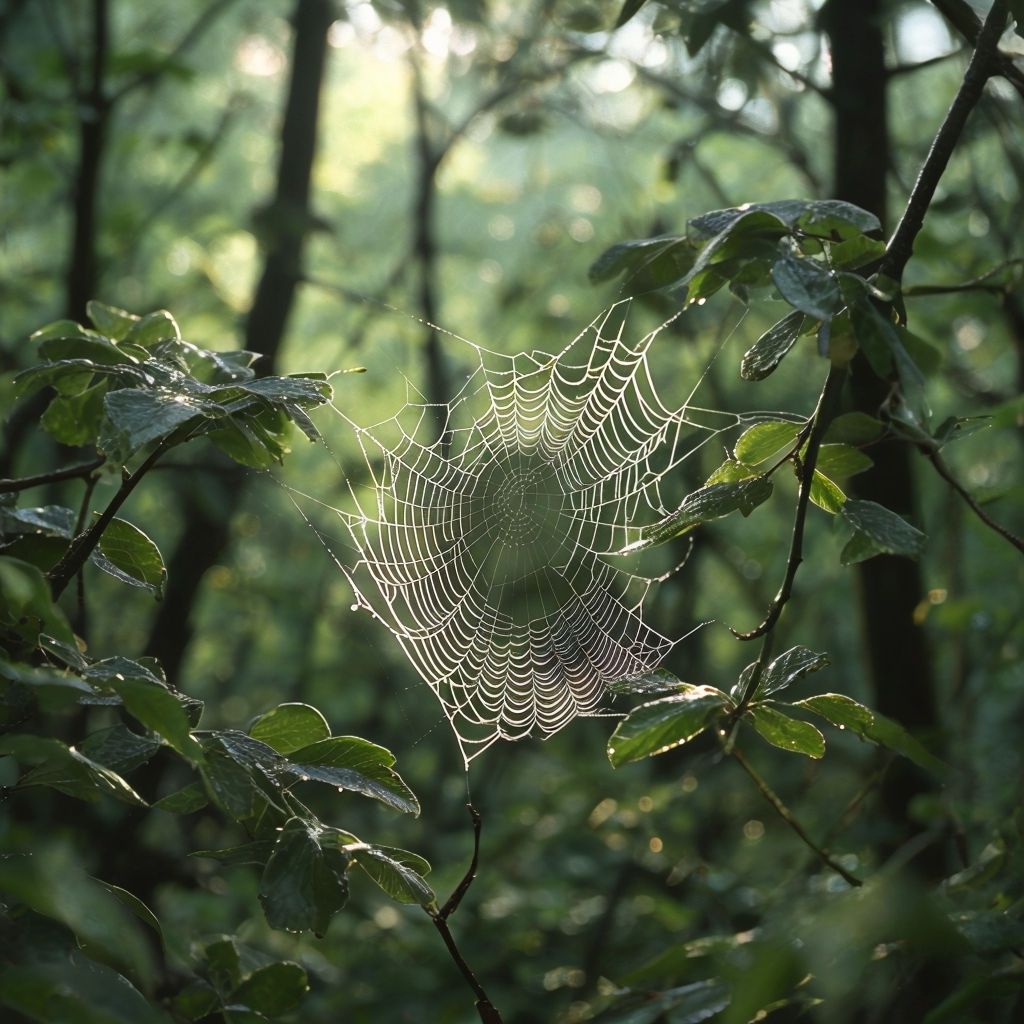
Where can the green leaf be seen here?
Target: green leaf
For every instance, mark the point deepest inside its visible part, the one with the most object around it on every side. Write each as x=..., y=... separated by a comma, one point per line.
x=158, y=710
x=223, y=964
x=661, y=725
x=703, y=505
x=273, y=989
x=195, y=1001
x=875, y=334
x=398, y=872
x=768, y=351
x=807, y=286
x=66, y=769
x=52, y=883
x=61, y=329
x=75, y=419
x=289, y=727
x=138, y=417
x=118, y=748
x=787, y=668
x=127, y=554
x=76, y=991
x=228, y=783
x=730, y=471
x=826, y=494
x=878, y=531
x=763, y=440
x=26, y=608
x=302, y=886
x=841, y=460
x=855, y=252
x=257, y=852
x=92, y=347
x=843, y=712
x=153, y=328
x=787, y=733
x=846, y=713
x=355, y=764
x=135, y=905
x=187, y=800
x=649, y=263
x=658, y=680
x=109, y=320
x=854, y=428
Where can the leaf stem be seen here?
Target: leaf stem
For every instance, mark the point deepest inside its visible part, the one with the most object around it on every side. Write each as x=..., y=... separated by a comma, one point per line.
x=827, y=403
x=944, y=471
x=788, y=817
x=982, y=66
x=85, y=543
x=23, y=483
x=484, y=1007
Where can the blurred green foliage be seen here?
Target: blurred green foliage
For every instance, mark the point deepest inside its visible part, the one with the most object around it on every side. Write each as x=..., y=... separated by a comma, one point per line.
x=551, y=147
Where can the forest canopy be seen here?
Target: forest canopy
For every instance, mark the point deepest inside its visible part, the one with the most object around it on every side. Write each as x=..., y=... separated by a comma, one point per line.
x=392, y=386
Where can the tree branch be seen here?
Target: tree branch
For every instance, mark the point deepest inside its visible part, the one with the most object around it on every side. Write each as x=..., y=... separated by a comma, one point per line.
x=23, y=483
x=85, y=543
x=787, y=816
x=982, y=65
x=484, y=1007
x=823, y=414
x=944, y=471
x=962, y=17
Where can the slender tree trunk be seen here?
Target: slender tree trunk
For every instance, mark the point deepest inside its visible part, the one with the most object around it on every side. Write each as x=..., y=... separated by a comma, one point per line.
x=425, y=247
x=82, y=271
x=890, y=588
x=287, y=221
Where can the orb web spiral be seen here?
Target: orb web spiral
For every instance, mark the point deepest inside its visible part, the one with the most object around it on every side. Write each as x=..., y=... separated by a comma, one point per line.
x=490, y=551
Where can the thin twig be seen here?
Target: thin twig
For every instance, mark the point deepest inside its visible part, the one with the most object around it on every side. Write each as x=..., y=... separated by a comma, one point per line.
x=982, y=65
x=467, y=880
x=906, y=69
x=85, y=543
x=484, y=1007
x=822, y=418
x=962, y=17
x=972, y=284
x=944, y=471
x=787, y=816
x=23, y=483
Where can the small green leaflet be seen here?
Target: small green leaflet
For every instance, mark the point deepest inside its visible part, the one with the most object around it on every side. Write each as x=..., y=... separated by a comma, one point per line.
x=878, y=531
x=763, y=440
x=846, y=713
x=288, y=727
x=659, y=680
x=794, y=664
x=708, y=503
x=303, y=886
x=127, y=554
x=786, y=733
x=808, y=286
x=768, y=351
x=661, y=725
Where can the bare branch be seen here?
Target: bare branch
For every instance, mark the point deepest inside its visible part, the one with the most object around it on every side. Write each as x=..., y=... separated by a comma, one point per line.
x=944, y=471
x=68, y=473
x=788, y=817
x=982, y=65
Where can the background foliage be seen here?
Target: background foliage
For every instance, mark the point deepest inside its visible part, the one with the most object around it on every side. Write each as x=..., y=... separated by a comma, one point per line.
x=306, y=181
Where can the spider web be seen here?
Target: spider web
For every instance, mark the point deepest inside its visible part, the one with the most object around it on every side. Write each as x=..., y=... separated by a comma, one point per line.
x=490, y=549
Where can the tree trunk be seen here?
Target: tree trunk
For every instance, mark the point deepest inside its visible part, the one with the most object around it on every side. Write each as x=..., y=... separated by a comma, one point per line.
x=890, y=588
x=287, y=221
